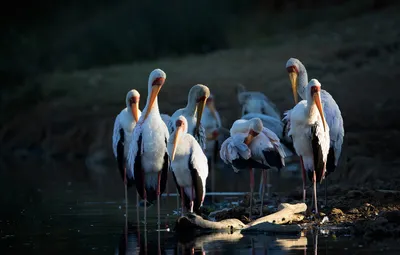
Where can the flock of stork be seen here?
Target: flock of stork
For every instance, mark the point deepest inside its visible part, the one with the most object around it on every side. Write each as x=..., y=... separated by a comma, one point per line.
x=148, y=144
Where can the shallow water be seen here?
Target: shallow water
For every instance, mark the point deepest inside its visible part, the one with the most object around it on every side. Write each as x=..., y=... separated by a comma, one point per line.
x=67, y=208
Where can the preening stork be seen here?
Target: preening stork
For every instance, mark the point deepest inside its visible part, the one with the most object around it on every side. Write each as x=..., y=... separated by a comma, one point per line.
x=252, y=146
x=122, y=136
x=256, y=102
x=310, y=134
x=189, y=166
x=299, y=80
x=148, y=159
x=193, y=112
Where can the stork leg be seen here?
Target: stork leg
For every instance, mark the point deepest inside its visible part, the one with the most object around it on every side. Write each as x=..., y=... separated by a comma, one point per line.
x=145, y=199
x=158, y=199
x=303, y=175
x=191, y=200
x=182, y=202
x=264, y=177
x=251, y=191
x=326, y=187
x=315, y=192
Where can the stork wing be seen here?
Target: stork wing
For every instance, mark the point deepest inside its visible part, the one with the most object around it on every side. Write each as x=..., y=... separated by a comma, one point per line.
x=116, y=135
x=334, y=119
x=135, y=151
x=233, y=148
x=198, y=167
x=275, y=142
x=317, y=140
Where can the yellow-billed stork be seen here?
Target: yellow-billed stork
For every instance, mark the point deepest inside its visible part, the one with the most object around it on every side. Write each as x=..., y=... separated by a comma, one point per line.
x=122, y=135
x=189, y=166
x=148, y=158
x=299, y=80
x=252, y=146
x=310, y=135
x=193, y=112
x=256, y=102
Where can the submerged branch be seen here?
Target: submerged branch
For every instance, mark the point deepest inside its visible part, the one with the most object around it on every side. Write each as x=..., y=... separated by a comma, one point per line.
x=286, y=213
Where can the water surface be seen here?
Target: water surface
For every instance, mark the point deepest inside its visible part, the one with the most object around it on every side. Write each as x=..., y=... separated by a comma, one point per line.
x=69, y=208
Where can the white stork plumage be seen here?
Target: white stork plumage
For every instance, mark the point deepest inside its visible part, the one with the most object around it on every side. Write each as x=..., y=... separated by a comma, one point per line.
x=122, y=135
x=256, y=102
x=189, y=166
x=310, y=134
x=193, y=112
x=148, y=158
x=299, y=80
x=252, y=146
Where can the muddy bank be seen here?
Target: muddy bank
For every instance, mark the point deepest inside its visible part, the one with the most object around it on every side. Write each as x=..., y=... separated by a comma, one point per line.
x=370, y=213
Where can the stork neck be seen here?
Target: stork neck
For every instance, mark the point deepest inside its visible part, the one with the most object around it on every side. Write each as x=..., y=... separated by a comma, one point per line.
x=191, y=107
x=302, y=81
x=312, y=107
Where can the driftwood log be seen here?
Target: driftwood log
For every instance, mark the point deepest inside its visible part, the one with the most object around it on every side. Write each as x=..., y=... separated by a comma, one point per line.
x=287, y=213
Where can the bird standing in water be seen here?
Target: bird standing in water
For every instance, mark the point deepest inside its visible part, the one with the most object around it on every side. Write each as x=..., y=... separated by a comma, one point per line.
x=122, y=136
x=148, y=157
x=189, y=166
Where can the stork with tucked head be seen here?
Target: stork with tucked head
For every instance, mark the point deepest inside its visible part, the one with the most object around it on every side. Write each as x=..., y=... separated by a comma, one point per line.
x=189, y=166
x=299, y=80
x=122, y=135
x=310, y=134
x=148, y=158
x=193, y=112
x=252, y=146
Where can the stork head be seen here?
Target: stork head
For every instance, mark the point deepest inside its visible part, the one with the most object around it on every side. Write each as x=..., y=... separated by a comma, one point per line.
x=293, y=67
x=156, y=81
x=199, y=93
x=181, y=127
x=314, y=94
x=255, y=127
x=132, y=103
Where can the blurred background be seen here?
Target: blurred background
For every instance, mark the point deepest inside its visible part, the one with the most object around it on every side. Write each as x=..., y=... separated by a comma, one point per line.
x=66, y=67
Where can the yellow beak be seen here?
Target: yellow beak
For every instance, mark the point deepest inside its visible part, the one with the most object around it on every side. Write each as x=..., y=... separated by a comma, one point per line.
x=250, y=137
x=153, y=94
x=317, y=100
x=177, y=137
x=135, y=111
x=293, y=80
x=200, y=108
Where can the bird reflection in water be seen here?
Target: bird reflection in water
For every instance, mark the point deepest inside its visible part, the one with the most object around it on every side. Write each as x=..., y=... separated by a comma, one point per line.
x=131, y=242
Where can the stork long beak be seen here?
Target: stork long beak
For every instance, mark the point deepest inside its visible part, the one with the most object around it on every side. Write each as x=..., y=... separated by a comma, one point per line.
x=200, y=108
x=317, y=100
x=250, y=137
x=293, y=80
x=177, y=137
x=135, y=111
x=153, y=95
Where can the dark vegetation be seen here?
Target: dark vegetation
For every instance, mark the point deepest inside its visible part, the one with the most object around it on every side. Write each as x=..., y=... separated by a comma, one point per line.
x=44, y=36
